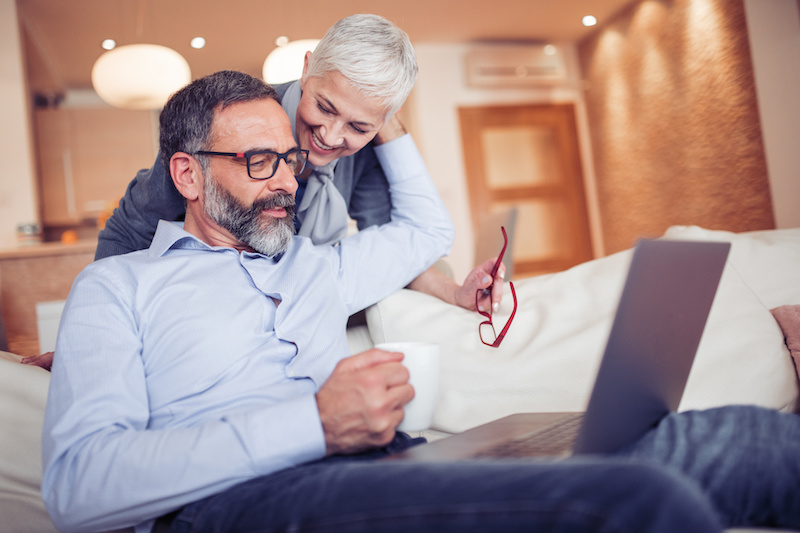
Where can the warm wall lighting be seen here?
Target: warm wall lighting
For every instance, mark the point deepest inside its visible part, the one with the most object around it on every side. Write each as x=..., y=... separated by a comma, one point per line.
x=198, y=43
x=139, y=76
x=285, y=63
x=589, y=20
x=109, y=44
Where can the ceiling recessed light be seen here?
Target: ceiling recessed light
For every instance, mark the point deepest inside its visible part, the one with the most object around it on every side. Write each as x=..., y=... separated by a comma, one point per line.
x=282, y=41
x=198, y=42
x=589, y=20
x=109, y=44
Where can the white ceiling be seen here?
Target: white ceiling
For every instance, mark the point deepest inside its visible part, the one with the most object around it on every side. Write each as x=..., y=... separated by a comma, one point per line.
x=62, y=37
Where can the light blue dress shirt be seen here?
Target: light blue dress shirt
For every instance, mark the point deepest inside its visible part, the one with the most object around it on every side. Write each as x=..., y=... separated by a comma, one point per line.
x=185, y=369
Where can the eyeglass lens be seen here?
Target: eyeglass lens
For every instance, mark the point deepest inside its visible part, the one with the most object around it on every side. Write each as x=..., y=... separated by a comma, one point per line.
x=263, y=165
x=487, y=332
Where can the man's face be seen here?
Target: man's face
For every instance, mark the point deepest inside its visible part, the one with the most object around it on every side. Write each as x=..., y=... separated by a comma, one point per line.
x=257, y=213
x=334, y=120
x=248, y=223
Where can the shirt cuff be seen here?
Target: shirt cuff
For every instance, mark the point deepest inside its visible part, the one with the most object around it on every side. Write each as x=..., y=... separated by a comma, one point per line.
x=291, y=434
x=400, y=159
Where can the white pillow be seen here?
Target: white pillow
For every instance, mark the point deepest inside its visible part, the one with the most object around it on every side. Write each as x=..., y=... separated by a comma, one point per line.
x=768, y=261
x=547, y=361
x=23, y=393
x=742, y=357
x=549, y=358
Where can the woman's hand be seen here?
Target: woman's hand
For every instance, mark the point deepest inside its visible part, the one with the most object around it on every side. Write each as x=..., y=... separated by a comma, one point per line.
x=435, y=283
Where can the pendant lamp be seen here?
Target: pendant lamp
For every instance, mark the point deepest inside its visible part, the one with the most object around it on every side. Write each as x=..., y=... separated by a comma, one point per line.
x=285, y=63
x=139, y=76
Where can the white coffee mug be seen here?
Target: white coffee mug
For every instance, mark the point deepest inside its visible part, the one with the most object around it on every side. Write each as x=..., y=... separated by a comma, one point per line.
x=422, y=361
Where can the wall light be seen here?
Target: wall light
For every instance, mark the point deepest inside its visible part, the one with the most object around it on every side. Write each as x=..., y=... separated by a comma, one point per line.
x=285, y=63
x=589, y=20
x=139, y=76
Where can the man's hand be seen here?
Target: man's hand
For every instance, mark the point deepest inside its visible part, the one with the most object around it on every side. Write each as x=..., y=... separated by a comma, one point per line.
x=44, y=360
x=361, y=404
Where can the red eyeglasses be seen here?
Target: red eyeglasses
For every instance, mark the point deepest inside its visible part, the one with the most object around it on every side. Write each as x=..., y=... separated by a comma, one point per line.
x=486, y=329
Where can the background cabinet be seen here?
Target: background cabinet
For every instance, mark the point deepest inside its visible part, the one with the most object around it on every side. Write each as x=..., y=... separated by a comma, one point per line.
x=87, y=157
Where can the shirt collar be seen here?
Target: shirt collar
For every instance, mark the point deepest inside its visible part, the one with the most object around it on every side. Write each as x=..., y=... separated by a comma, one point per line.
x=171, y=235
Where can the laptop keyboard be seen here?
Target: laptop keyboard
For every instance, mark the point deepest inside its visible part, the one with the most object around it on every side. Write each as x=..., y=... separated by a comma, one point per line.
x=556, y=439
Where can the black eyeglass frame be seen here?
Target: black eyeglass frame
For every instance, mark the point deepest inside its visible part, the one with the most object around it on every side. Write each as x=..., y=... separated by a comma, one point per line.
x=483, y=293
x=281, y=156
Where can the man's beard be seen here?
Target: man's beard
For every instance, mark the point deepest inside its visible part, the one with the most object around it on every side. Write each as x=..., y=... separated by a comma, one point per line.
x=269, y=237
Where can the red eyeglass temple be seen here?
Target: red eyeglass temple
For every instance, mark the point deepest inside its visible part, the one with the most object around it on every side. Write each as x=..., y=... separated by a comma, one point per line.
x=502, y=334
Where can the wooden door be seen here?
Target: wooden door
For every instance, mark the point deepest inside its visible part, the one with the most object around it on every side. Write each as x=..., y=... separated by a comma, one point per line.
x=526, y=156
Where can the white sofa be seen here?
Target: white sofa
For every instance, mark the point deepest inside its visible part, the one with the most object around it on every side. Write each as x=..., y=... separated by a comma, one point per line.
x=547, y=361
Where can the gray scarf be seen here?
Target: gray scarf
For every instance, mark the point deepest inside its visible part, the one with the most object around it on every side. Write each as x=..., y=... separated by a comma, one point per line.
x=322, y=211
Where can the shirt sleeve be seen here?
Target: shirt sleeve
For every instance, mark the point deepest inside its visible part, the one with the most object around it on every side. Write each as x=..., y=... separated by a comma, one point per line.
x=105, y=467
x=150, y=197
x=378, y=261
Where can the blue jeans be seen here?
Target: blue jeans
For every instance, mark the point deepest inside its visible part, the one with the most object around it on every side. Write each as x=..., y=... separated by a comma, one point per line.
x=746, y=459
x=734, y=465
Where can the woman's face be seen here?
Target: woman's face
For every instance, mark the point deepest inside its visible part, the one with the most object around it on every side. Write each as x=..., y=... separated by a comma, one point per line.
x=333, y=119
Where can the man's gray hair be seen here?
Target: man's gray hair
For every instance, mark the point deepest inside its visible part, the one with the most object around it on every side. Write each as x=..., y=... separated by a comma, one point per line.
x=187, y=116
x=373, y=54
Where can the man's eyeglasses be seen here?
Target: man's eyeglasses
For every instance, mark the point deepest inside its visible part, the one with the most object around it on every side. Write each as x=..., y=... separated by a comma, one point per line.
x=486, y=329
x=262, y=164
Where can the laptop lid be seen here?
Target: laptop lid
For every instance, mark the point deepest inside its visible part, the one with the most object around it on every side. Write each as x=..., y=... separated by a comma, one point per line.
x=659, y=321
x=657, y=328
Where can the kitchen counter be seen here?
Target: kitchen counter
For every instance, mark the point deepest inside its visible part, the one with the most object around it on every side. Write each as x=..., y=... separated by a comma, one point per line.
x=49, y=249
x=36, y=273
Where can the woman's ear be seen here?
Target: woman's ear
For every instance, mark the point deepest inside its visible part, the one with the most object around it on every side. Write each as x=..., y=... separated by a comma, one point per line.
x=186, y=175
x=306, y=59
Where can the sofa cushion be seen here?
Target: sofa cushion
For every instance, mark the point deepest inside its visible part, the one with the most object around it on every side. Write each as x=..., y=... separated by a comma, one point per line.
x=23, y=393
x=788, y=317
x=551, y=353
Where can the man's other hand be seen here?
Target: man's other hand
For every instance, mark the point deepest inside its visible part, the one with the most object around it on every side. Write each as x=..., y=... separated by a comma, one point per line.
x=44, y=360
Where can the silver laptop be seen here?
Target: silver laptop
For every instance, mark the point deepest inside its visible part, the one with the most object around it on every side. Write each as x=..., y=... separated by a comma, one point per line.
x=656, y=331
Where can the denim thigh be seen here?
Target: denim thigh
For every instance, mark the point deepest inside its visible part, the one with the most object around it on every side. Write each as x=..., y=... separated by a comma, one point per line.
x=352, y=495
x=745, y=458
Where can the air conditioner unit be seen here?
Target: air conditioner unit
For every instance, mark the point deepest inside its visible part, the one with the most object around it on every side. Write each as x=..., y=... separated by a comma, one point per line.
x=515, y=65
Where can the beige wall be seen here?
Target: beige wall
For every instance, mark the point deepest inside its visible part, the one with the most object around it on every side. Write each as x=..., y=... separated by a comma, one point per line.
x=18, y=179
x=774, y=30
x=674, y=121
x=683, y=141
x=433, y=106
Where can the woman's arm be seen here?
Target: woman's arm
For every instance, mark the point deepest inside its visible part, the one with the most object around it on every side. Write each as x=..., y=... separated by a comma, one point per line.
x=435, y=283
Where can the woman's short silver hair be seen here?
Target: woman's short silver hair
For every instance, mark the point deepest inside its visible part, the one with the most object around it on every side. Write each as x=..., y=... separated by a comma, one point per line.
x=373, y=54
